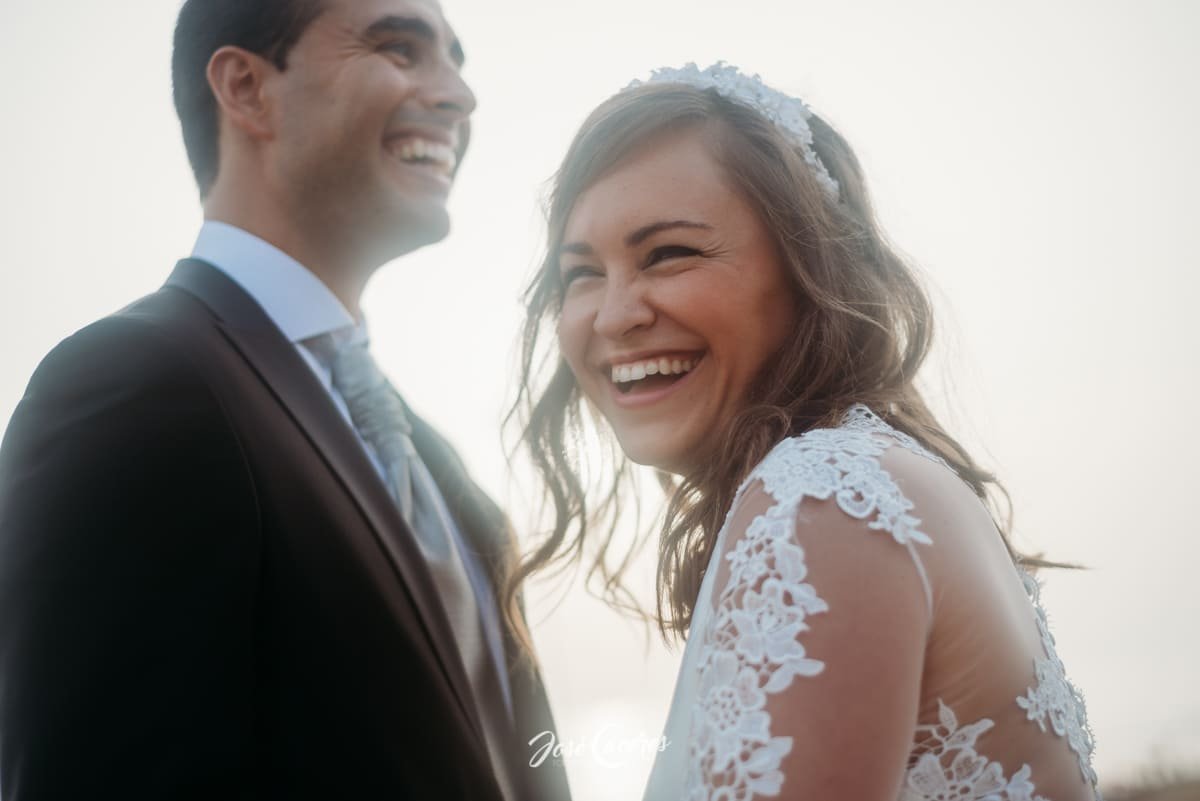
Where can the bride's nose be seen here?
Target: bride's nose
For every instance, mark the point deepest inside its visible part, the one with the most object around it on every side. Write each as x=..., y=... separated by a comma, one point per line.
x=623, y=309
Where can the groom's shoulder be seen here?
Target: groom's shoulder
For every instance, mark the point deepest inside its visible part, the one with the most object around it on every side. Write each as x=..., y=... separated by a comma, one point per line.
x=153, y=340
x=125, y=383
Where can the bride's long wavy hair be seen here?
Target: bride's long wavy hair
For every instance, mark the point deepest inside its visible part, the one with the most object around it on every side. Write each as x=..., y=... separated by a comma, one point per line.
x=863, y=329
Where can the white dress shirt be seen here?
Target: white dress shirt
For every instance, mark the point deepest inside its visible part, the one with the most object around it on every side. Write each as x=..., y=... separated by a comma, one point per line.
x=297, y=301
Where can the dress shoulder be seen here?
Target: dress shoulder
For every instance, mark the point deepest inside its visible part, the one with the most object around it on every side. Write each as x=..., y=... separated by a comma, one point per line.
x=788, y=617
x=843, y=464
x=812, y=596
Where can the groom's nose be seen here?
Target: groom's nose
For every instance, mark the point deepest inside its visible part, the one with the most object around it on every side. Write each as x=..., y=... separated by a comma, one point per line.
x=448, y=92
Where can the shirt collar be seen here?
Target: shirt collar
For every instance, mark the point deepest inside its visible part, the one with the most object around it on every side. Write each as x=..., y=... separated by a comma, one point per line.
x=293, y=297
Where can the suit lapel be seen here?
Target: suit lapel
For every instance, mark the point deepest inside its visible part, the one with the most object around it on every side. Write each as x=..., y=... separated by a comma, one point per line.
x=482, y=527
x=491, y=535
x=290, y=380
x=481, y=521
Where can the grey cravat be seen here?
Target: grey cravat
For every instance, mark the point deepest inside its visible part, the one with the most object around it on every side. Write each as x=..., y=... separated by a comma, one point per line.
x=379, y=415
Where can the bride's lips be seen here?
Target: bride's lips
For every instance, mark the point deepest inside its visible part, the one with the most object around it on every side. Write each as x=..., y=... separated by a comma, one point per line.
x=637, y=400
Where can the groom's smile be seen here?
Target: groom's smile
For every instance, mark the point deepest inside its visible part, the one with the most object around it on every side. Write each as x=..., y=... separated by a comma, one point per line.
x=430, y=152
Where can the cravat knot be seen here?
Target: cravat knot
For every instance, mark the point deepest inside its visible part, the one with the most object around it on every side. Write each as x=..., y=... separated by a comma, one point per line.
x=375, y=408
x=378, y=413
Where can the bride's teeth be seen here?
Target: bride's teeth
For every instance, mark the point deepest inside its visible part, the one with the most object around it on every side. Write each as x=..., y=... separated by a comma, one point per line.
x=625, y=373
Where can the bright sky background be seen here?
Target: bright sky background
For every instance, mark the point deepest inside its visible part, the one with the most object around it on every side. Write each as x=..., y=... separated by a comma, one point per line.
x=1037, y=159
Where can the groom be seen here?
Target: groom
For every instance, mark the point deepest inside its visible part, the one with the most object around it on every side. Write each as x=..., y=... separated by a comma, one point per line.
x=232, y=563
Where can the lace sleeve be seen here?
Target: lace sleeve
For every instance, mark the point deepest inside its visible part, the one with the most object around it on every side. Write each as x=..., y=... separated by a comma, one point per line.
x=810, y=666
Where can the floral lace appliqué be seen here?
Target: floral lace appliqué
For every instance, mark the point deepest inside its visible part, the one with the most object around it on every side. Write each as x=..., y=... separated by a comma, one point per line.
x=752, y=649
x=860, y=418
x=1055, y=700
x=844, y=465
x=945, y=765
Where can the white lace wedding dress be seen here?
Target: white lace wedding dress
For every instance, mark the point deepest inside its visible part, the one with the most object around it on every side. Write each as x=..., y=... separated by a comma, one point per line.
x=831, y=523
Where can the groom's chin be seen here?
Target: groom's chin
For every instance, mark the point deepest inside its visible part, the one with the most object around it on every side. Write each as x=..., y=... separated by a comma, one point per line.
x=417, y=225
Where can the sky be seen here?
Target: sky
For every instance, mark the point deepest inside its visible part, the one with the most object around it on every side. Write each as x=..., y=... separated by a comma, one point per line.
x=1037, y=160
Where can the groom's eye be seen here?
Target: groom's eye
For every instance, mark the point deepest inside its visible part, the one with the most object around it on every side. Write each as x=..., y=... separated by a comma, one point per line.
x=406, y=50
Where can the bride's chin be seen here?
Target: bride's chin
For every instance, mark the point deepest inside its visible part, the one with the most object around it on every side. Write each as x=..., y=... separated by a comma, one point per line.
x=638, y=452
x=666, y=459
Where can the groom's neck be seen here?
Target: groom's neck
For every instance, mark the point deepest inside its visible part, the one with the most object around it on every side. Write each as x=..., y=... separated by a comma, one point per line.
x=332, y=259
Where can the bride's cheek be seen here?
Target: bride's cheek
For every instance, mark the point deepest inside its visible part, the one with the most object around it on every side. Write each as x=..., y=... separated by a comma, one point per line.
x=567, y=341
x=574, y=335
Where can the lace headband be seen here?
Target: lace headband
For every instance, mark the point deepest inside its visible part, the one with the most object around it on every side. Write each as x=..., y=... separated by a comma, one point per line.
x=789, y=114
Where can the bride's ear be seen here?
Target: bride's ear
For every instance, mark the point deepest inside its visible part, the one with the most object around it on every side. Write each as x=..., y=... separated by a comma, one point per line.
x=239, y=82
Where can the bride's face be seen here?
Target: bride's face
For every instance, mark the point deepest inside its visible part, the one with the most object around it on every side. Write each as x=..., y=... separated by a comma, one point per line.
x=674, y=298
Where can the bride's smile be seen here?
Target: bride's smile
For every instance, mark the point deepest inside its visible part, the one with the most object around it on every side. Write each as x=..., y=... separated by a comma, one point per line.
x=637, y=387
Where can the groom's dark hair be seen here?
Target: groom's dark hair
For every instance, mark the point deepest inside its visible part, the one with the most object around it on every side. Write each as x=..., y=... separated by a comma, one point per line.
x=267, y=27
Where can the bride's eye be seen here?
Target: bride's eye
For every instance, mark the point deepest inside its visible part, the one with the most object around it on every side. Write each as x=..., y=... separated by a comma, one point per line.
x=570, y=274
x=670, y=252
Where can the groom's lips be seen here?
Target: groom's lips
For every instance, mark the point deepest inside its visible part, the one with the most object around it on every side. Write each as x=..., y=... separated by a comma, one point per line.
x=429, y=152
x=441, y=136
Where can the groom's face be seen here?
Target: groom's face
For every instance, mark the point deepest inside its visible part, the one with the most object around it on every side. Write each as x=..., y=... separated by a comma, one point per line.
x=372, y=117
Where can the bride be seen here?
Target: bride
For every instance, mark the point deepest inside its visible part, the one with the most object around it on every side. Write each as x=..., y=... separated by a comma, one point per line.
x=857, y=624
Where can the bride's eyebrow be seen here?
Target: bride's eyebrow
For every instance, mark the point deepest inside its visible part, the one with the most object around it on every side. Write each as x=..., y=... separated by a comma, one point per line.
x=646, y=231
x=577, y=248
x=637, y=237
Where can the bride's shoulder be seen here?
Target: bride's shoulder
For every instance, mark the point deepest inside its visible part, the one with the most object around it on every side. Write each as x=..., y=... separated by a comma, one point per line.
x=865, y=483
x=859, y=460
x=849, y=482
x=860, y=504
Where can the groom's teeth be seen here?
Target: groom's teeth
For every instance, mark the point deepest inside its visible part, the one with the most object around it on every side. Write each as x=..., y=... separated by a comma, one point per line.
x=636, y=371
x=424, y=151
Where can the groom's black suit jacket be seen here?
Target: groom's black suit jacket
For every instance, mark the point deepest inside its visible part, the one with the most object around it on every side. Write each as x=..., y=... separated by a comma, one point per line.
x=205, y=590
